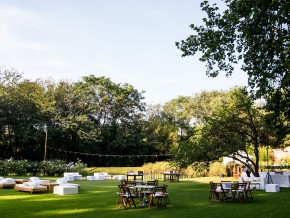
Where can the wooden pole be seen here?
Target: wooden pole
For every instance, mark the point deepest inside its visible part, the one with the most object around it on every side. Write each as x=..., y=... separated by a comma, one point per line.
x=45, y=145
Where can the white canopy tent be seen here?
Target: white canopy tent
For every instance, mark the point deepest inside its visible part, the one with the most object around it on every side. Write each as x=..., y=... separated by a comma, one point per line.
x=227, y=160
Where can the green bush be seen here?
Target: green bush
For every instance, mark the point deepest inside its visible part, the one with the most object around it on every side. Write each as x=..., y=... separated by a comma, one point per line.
x=13, y=167
x=33, y=168
x=3, y=168
x=77, y=167
x=52, y=167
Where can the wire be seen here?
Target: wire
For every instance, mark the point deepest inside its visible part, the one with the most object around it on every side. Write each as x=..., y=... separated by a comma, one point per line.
x=112, y=155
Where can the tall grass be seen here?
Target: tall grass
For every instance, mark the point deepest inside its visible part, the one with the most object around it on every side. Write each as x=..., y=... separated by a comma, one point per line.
x=215, y=169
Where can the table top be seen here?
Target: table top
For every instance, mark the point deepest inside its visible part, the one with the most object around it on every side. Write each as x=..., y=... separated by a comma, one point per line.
x=51, y=183
x=227, y=185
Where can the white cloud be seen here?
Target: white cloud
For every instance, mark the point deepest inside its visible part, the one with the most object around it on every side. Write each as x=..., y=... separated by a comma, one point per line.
x=13, y=13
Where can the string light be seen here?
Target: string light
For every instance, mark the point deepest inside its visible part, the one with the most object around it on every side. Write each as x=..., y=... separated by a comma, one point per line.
x=111, y=155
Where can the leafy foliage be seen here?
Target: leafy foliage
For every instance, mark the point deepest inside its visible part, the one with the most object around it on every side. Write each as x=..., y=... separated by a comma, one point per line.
x=234, y=126
x=94, y=120
x=94, y=115
x=255, y=33
x=13, y=167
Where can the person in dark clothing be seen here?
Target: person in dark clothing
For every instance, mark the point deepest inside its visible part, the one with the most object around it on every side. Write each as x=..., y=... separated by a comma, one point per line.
x=248, y=169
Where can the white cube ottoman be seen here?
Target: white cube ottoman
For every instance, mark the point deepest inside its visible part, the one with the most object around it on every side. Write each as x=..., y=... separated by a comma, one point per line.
x=119, y=177
x=69, y=178
x=65, y=190
x=91, y=178
x=98, y=176
x=272, y=188
x=78, y=177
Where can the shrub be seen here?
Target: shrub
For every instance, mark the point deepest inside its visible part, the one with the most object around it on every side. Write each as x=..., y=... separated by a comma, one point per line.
x=52, y=167
x=44, y=168
x=77, y=167
x=3, y=168
x=15, y=167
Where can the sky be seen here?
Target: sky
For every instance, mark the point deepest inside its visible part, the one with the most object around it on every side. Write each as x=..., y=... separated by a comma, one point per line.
x=128, y=41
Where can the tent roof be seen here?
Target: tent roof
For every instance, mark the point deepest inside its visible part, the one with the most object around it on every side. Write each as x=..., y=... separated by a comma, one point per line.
x=227, y=160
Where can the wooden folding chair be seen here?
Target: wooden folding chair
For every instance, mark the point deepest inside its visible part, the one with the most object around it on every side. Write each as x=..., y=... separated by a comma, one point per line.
x=217, y=193
x=167, y=198
x=243, y=192
x=131, y=184
x=159, y=194
x=127, y=198
x=119, y=194
x=248, y=191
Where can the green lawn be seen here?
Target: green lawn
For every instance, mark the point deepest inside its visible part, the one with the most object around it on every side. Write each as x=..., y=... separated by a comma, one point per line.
x=189, y=198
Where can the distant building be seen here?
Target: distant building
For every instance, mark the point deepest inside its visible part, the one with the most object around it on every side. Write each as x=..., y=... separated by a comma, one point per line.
x=280, y=154
x=277, y=155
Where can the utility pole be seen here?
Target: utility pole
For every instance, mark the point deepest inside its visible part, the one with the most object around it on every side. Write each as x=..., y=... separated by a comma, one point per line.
x=45, y=142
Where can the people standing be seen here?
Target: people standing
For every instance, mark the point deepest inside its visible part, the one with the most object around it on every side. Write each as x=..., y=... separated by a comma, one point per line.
x=248, y=168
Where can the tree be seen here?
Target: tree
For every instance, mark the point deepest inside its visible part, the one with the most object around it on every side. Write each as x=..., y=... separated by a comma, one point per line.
x=178, y=113
x=97, y=116
x=91, y=116
x=160, y=133
x=23, y=109
x=255, y=33
x=233, y=128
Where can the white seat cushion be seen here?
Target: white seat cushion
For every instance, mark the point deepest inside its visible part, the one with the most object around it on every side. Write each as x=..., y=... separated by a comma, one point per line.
x=33, y=179
x=7, y=181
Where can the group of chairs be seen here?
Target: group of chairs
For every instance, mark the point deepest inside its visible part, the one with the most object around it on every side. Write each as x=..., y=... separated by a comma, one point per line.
x=128, y=192
x=227, y=191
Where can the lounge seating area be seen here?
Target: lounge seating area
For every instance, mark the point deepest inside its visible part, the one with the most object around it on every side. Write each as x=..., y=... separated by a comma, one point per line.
x=37, y=180
x=7, y=182
x=64, y=182
x=257, y=183
x=33, y=185
x=283, y=180
x=32, y=188
x=61, y=186
x=104, y=176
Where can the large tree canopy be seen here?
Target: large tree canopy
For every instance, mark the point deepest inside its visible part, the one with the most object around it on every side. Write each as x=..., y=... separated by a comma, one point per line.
x=92, y=116
x=257, y=33
x=233, y=125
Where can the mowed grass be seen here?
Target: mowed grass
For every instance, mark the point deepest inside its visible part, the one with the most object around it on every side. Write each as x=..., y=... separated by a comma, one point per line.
x=188, y=198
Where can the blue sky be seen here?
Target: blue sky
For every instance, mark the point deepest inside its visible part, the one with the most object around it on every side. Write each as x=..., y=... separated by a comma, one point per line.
x=129, y=41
